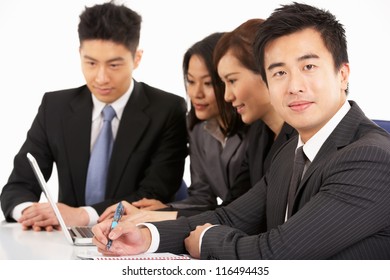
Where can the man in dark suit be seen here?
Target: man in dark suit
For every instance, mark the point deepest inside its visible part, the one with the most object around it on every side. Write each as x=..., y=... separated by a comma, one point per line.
x=149, y=130
x=340, y=208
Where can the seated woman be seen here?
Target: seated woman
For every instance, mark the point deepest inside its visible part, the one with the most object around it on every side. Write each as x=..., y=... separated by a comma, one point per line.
x=217, y=137
x=247, y=92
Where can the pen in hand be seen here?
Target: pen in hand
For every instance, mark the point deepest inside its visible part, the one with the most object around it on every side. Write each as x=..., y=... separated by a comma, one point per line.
x=117, y=216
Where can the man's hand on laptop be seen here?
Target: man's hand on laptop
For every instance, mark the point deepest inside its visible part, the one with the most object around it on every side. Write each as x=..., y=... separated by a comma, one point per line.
x=40, y=216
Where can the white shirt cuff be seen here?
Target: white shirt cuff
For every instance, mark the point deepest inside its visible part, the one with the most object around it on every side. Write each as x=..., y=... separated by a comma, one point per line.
x=201, y=236
x=17, y=212
x=155, y=237
x=92, y=214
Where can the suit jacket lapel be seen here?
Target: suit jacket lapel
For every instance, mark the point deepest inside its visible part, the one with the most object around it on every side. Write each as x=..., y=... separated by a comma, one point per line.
x=229, y=150
x=339, y=138
x=277, y=197
x=131, y=128
x=77, y=135
x=212, y=150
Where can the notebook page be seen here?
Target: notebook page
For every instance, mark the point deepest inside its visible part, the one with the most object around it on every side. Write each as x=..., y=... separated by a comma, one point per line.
x=93, y=254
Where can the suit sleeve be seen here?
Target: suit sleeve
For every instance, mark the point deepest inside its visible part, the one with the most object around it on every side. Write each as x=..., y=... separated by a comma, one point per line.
x=164, y=173
x=200, y=194
x=350, y=209
x=22, y=185
x=235, y=214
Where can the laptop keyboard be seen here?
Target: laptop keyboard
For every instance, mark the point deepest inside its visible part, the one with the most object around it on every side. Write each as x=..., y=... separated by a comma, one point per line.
x=85, y=231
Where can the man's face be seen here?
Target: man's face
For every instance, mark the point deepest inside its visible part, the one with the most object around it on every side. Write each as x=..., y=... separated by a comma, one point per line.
x=107, y=68
x=304, y=86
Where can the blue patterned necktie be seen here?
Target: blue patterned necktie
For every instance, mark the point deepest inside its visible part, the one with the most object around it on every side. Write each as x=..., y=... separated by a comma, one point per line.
x=99, y=160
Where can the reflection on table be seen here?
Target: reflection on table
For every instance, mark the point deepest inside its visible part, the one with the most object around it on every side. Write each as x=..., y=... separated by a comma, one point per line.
x=17, y=244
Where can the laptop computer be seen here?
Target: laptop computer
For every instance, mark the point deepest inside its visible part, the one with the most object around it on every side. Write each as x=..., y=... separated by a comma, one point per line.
x=74, y=234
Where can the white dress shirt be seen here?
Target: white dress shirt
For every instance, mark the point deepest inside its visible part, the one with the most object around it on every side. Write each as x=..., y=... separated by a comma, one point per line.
x=97, y=123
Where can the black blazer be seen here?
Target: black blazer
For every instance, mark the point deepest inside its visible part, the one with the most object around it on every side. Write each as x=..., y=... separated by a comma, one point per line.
x=341, y=208
x=261, y=148
x=147, y=159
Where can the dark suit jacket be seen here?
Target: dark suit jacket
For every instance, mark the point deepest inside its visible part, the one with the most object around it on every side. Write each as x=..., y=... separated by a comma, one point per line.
x=213, y=169
x=147, y=159
x=341, y=208
x=261, y=148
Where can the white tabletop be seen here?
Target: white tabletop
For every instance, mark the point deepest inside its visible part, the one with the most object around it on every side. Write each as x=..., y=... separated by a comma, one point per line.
x=17, y=244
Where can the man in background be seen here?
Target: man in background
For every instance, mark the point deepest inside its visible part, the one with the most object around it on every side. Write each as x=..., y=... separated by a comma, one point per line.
x=148, y=132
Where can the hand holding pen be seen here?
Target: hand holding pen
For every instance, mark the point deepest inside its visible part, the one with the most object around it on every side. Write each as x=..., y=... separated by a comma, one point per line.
x=117, y=216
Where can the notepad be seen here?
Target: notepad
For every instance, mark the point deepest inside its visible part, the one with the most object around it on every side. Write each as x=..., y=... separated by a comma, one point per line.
x=95, y=255
x=152, y=256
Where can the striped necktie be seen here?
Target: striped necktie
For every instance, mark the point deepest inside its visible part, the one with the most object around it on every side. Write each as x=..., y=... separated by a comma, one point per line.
x=299, y=166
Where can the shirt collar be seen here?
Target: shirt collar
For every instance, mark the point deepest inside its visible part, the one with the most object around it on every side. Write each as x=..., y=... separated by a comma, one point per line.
x=315, y=143
x=118, y=105
x=213, y=128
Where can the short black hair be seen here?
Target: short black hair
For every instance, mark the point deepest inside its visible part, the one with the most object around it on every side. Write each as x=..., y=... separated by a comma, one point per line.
x=295, y=17
x=111, y=22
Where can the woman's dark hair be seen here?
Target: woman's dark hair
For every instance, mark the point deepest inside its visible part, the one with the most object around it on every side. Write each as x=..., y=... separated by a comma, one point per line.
x=204, y=49
x=239, y=43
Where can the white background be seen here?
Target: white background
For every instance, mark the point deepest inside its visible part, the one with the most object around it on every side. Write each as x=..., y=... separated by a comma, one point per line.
x=39, y=51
